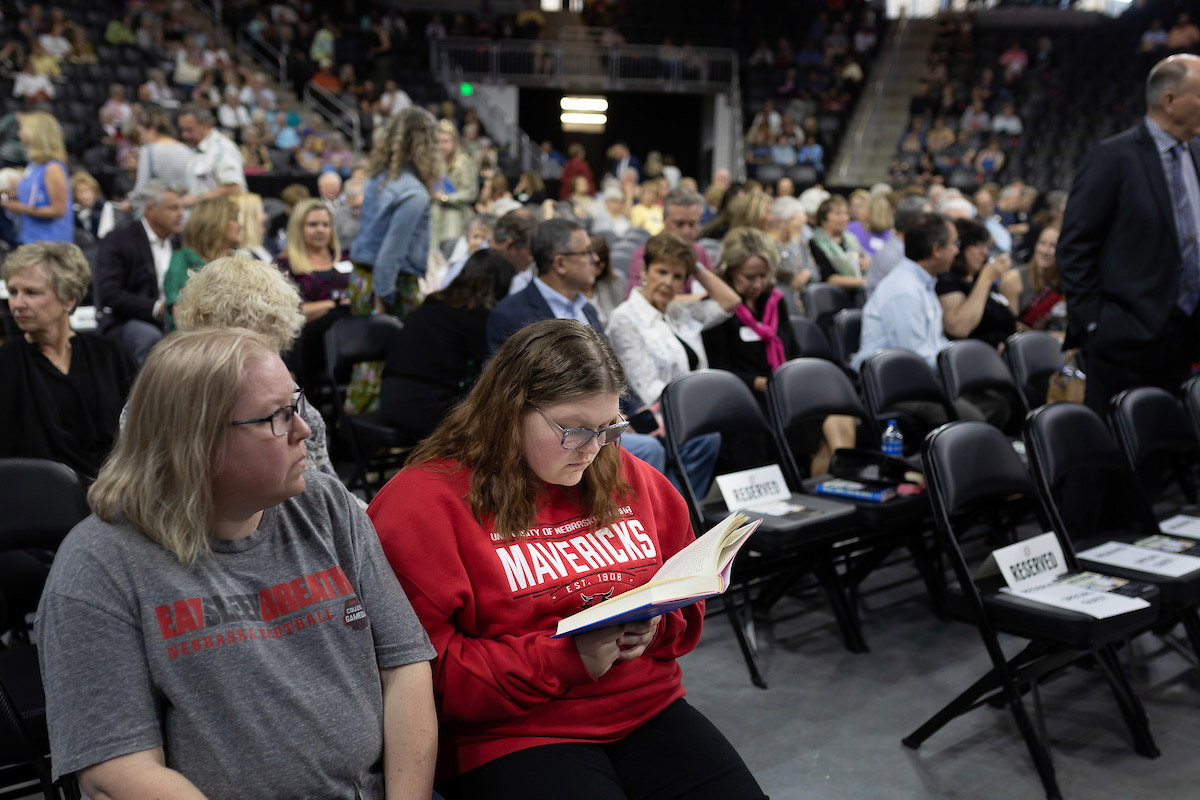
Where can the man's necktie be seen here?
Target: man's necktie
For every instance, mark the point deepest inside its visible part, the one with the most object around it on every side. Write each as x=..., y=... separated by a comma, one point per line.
x=1189, y=247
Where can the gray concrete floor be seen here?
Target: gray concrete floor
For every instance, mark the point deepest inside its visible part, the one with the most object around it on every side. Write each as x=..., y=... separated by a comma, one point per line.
x=830, y=723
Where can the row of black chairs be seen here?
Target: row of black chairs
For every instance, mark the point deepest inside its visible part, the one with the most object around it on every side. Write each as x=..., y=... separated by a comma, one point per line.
x=1089, y=485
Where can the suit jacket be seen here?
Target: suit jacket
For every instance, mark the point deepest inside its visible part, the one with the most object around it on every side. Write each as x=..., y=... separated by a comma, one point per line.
x=1118, y=253
x=126, y=284
x=518, y=310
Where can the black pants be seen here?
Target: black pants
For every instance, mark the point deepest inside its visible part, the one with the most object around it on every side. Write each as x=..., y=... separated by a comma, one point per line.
x=677, y=754
x=1165, y=362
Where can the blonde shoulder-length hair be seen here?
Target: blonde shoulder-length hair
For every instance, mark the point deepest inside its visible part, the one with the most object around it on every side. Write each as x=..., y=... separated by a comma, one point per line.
x=242, y=292
x=159, y=476
x=295, y=249
x=43, y=137
x=205, y=228
x=547, y=362
x=409, y=139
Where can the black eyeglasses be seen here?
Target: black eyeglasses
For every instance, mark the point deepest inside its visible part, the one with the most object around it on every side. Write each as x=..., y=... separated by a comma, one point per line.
x=590, y=253
x=575, y=438
x=283, y=419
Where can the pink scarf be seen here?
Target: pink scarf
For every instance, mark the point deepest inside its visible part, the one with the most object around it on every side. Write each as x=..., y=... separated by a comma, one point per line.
x=766, y=329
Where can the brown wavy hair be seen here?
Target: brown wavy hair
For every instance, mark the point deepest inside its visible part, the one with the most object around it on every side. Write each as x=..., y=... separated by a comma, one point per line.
x=408, y=139
x=548, y=362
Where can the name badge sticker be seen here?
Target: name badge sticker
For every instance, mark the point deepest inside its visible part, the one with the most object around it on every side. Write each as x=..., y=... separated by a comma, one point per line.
x=748, y=335
x=344, y=267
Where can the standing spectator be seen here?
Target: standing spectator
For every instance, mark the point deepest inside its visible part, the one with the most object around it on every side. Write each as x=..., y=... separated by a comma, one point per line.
x=1134, y=202
x=576, y=166
x=211, y=231
x=455, y=194
x=253, y=219
x=215, y=168
x=161, y=156
x=1155, y=38
x=43, y=198
x=392, y=248
x=1014, y=59
x=1183, y=34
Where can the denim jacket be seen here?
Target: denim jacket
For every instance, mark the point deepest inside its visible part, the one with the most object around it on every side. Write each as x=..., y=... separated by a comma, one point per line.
x=393, y=229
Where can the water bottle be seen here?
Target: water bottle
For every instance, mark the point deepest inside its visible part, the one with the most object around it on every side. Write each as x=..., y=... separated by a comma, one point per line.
x=893, y=440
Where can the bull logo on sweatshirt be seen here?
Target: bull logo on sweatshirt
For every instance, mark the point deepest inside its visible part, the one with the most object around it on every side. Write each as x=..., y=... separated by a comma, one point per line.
x=590, y=600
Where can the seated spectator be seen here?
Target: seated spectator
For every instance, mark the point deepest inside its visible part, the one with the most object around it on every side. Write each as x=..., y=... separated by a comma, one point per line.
x=908, y=210
x=939, y=137
x=1007, y=122
x=308, y=156
x=1183, y=34
x=1014, y=59
x=796, y=267
x=43, y=63
x=783, y=152
x=647, y=214
x=345, y=216
x=228, y=511
x=479, y=235
x=963, y=151
x=315, y=261
x=990, y=159
x=55, y=42
x=875, y=227
x=608, y=291
x=976, y=118
x=232, y=116
x=189, y=64
x=443, y=346
x=253, y=220
x=117, y=106
x=255, y=155
x=610, y=214
x=1043, y=304
x=837, y=253
x=61, y=391
x=211, y=231
x=1153, y=39
x=160, y=93
x=286, y=135
x=530, y=188
x=813, y=153
x=33, y=87
x=550, y=376
x=324, y=78
x=119, y=31
x=979, y=295
x=82, y=51
x=87, y=207
x=756, y=340
x=291, y=196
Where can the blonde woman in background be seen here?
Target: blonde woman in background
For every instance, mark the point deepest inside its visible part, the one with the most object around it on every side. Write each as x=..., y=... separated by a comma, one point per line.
x=875, y=228
x=751, y=210
x=254, y=225
x=43, y=200
x=453, y=196
x=210, y=232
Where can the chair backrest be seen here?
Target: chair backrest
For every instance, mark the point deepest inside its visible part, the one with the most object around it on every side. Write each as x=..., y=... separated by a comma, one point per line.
x=1154, y=433
x=621, y=253
x=352, y=340
x=847, y=330
x=894, y=376
x=706, y=401
x=1084, y=483
x=811, y=340
x=769, y=173
x=970, y=365
x=806, y=390
x=824, y=300
x=41, y=501
x=638, y=236
x=447, y=247
x=1033, y=356
x=1191, y=402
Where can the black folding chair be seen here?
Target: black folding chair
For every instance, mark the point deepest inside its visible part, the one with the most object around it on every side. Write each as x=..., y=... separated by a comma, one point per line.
x=811, y=340
x=974, y=476
x=847, y=329
x=715, y=401
x=822, y=301
x=1033, y=357
x=1191, y=402
x=893, y=377
x=375, y=446
x=802, y=393
x=1090, y=495
x=969, y=366
x=1159, y=445
x=42, y=502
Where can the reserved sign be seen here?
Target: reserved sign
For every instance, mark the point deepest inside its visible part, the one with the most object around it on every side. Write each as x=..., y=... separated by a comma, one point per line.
x=1028, y=563
x=753, y=487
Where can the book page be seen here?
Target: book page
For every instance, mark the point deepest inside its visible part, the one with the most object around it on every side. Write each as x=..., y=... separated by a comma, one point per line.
x=701, y=556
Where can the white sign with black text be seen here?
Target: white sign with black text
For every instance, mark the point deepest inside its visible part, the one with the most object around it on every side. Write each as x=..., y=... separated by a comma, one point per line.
x=753, y=487
x=1028, y=563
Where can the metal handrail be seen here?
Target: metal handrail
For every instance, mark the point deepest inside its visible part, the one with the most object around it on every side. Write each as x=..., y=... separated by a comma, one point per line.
x=699, y=69
x=521, y=146
x=882, y=72
x=339, y=114
x=264, y=53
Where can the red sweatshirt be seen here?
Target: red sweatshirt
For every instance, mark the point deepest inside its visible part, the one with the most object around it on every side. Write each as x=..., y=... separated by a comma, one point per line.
x=490, y=608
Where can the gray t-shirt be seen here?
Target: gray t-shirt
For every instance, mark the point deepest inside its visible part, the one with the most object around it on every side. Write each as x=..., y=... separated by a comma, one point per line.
x=257, y=669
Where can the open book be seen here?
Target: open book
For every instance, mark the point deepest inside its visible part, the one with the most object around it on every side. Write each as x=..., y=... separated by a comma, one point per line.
x=697, y=572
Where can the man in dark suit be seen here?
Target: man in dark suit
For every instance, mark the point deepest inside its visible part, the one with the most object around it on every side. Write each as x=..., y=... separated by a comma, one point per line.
x=130, y=266
x=622, y=161
x=1128, y=253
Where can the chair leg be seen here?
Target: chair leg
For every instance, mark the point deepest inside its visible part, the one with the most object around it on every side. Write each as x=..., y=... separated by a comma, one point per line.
x=960, y=705
x=1191, y=624
x=847, y=620
x=1128, y=702
x=745, y=639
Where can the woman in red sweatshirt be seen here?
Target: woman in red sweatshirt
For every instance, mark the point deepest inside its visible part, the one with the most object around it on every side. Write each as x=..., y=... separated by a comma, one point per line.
x=520, y=510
